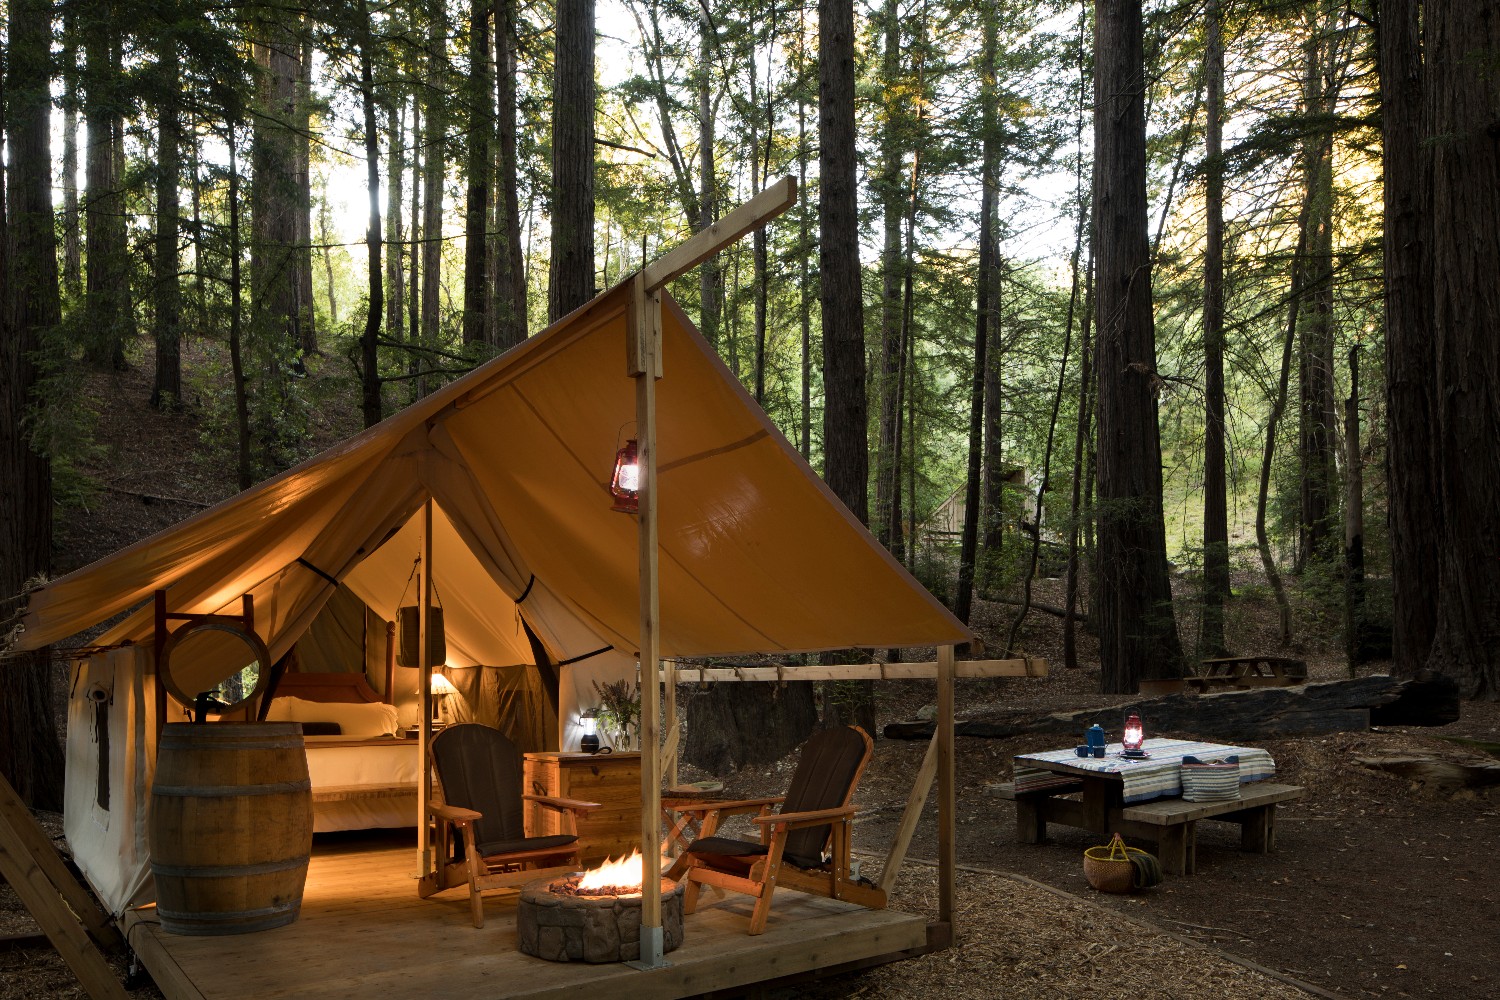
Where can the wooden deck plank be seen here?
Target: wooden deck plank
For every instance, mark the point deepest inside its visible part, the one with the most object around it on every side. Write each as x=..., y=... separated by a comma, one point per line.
x=364, y=932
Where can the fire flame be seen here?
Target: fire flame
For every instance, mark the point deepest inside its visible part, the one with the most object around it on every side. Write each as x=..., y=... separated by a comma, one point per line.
x=617, y=878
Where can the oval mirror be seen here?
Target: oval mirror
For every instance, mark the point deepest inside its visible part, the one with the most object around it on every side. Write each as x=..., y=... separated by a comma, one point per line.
x=215, y=659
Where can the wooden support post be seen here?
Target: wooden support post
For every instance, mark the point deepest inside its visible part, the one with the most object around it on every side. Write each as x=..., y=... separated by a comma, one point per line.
x=947, y=793
x=159, y=690
x=26, y=866
x=644, y=365
x=915, y=800
x=424, y=685
x=669, y=713
x=36, y=842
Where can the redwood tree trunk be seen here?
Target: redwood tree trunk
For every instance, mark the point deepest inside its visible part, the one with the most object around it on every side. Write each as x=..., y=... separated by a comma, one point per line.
x=1215, y=503
x=572, y=274
x=30, y=754
x=275, y=203
x=434, y=164
x=166, y=392
x=1317, y=414
x=1137, y=628
x=369, y=355
x=846, y=446
x=1462, y=95
x=511, y=325
x=477, y=208
x=1413, y=513
x=106, y=295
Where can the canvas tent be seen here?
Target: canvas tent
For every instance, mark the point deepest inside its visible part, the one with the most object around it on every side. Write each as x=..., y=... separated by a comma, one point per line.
x=756, y=555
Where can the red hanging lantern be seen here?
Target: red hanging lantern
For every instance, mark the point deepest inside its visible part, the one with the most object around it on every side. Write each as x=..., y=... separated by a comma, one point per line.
x=625, y=485
x=1135, y=735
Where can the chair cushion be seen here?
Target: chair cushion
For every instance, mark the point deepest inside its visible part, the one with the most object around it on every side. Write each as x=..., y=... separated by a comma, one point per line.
x=743, y=853
x=526, y=844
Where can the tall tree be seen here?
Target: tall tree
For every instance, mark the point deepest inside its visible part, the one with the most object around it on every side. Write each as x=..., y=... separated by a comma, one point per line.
x=1137, y=628
x=395, y=204
x=1462, y=93
x=166, y=389
x=1215, y=503
x=846, y=448
x=30, y=754
x=986, y=475
x=571, y=280
x=511, y=321
x=1413, y=513
x=107, y=289
x=1317, y=412
x=434, y=164
x=369, y=356
x=477, y=244
x=888, y=192
x=275, y=204
x=710, y=273
x=72, y=245
x=307, y=327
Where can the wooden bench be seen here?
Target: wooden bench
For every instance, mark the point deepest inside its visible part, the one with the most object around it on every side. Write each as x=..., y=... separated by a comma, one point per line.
x=349, y=793
x=1171, y=823
x=1038, y=807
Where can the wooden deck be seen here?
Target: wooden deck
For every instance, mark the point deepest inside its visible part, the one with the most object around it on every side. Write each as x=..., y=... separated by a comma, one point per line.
x=365, y=933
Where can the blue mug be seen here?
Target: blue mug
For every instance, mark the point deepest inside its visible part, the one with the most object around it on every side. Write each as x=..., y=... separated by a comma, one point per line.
x=1082, y=750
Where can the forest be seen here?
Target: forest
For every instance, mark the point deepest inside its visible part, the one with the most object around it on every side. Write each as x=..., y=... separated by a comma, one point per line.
x=1192, y=291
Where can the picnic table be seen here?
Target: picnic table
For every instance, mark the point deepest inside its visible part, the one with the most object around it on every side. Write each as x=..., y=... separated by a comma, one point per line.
x=1227, y=673
x=1142, y=797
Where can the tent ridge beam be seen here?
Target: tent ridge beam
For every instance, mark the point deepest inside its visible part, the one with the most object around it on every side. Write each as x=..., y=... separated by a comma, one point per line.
x=1025, y=667
x=773, y=200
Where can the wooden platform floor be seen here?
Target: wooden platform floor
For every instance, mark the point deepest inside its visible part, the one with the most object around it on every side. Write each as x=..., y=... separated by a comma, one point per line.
x=364, y=933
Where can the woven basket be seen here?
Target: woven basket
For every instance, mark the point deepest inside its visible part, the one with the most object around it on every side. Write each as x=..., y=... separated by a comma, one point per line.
x=1108, y=867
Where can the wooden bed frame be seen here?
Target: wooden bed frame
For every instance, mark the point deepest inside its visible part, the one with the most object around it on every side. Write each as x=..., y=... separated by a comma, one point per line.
x=342, y=688
x=347, y=688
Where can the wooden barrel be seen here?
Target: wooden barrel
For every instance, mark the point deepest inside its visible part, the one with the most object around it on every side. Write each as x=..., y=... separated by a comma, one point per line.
x=231, y=826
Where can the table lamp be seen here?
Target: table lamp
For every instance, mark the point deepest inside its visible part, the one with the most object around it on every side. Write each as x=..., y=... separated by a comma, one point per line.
x=441, y=688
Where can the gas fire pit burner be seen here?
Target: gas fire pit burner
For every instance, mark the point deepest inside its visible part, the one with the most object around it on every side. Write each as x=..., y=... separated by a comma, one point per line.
x=558, y=922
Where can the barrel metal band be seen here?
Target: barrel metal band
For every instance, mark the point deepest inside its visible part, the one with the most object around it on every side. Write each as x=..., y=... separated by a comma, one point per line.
x=227, y=871
x=286, y=744
x=232, y=791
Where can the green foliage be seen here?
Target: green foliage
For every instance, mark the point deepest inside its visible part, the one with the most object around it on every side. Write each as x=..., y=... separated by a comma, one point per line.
x=619, y=711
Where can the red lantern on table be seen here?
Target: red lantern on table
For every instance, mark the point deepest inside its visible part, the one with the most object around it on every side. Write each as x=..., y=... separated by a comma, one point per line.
x=1135, y=735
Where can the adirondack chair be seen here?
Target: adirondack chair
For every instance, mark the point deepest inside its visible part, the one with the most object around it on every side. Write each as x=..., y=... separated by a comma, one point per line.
x=481, y=776
x=816, y=810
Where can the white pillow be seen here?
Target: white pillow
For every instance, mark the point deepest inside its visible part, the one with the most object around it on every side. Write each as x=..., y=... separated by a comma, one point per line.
x=355, y=720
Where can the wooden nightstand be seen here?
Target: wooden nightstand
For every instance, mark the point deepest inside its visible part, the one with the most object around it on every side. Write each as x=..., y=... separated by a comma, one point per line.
x=611, y=779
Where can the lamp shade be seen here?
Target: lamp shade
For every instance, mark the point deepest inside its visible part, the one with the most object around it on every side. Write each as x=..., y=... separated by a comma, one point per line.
x=441, y=685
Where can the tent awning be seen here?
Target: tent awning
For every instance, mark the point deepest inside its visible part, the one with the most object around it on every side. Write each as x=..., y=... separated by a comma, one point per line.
x=757, y=555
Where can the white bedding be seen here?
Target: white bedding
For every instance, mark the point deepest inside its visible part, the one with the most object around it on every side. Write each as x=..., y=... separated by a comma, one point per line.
x=337, y=762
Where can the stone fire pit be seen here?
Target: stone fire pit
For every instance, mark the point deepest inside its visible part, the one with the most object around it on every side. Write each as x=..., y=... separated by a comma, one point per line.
x=555, y=923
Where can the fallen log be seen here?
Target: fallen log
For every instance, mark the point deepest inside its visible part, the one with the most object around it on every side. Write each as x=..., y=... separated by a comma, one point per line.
x=1329, y=707
x=1428, y=699
x=1437, y=773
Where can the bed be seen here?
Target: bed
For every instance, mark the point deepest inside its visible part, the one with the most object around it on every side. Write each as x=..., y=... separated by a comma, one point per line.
x=365, y=777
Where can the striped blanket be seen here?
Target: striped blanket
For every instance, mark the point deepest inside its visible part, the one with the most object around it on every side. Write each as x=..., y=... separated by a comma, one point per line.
x=1159, y=776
